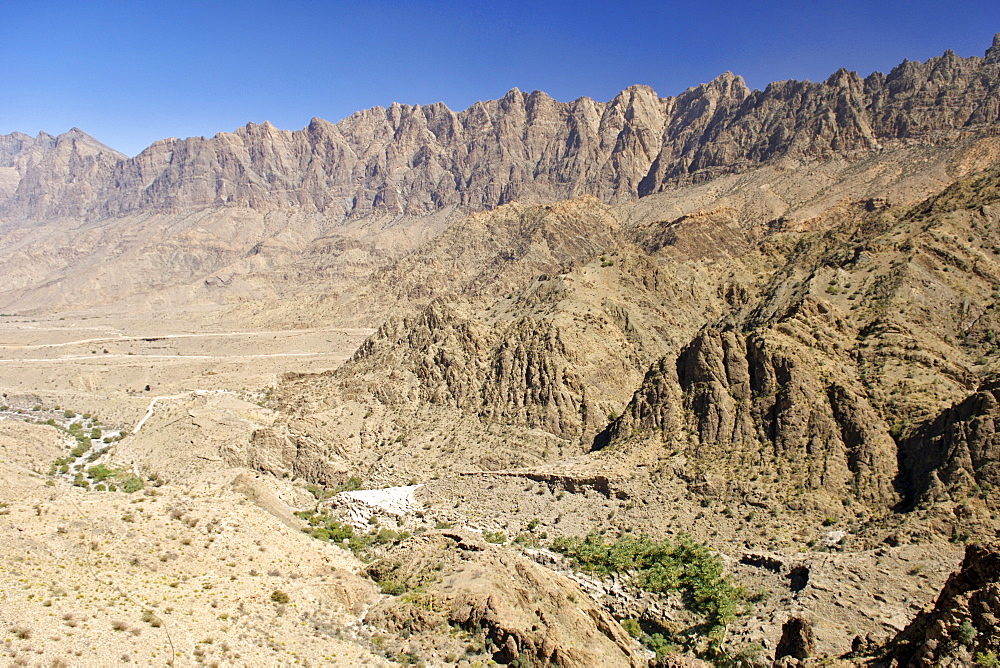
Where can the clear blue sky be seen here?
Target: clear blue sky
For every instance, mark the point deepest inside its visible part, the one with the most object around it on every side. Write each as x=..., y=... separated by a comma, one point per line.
x=133, y=72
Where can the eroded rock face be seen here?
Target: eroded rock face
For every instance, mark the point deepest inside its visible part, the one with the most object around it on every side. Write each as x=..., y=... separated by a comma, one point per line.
x=411, y=160
x=758, y=405
x=963, y=621
x=515, y=372
x=796, y=639
x=515, y=608
x=54, y=176
x=956, y=452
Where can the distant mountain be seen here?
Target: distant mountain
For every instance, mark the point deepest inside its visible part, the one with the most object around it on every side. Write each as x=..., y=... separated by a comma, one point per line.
x=414, y=160
x=54, y=175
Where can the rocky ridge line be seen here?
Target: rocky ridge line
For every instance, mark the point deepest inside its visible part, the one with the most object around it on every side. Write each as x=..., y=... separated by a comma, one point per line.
x=414, y=160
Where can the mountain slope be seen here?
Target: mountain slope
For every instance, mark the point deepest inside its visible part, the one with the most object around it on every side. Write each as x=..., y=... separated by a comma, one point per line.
x=312, y=216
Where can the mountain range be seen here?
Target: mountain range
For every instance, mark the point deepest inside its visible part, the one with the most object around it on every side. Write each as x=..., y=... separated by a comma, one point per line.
x=766, y=320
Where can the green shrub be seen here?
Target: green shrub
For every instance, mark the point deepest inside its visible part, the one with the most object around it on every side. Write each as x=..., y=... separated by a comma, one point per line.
x=324, y=527
x=497, y=537
x=967, y=633
x=684, y=566
x=353, y=483
x=632, y=628
x=392, y=587
x=987, y=660
x=100, y=473
x=130, y=483
x=279, y=597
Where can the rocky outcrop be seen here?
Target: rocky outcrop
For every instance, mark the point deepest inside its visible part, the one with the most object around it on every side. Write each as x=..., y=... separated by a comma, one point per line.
x=754, y=403
x=284, y=452
x=956, y=454
x=515, y=372
x=796, y=640
x=963, y=623
x=511, y=608
x=413, y=160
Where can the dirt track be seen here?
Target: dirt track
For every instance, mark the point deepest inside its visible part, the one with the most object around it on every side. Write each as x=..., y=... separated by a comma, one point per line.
x=115, y=370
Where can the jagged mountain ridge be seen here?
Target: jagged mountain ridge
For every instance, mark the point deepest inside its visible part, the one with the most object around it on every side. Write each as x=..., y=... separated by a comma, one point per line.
x=413, y=160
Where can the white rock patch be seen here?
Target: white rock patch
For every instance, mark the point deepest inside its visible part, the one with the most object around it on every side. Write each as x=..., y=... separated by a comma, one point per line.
x=361, y=504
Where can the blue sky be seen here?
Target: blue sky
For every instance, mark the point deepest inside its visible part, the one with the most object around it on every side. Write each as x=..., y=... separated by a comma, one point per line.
x=133, y=72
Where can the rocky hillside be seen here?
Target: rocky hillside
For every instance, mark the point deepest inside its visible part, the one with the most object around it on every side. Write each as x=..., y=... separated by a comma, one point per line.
x=843, y=369
x=961, y=628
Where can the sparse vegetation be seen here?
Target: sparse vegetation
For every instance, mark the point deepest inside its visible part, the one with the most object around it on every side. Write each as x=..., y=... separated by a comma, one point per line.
x=966, y=633
x=987, y=660
x=323, y=527
x=663, y=567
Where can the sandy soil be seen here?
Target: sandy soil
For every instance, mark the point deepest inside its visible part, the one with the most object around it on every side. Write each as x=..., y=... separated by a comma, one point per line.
x=108, y=578
x=114, y=368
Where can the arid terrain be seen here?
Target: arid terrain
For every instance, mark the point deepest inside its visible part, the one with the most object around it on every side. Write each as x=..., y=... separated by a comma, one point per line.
x=657, y=381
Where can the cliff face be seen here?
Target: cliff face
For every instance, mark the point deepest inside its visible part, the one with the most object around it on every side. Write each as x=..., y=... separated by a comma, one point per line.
x=757, y=406
x=53, y=176
x=413, y=160
x=958, y=453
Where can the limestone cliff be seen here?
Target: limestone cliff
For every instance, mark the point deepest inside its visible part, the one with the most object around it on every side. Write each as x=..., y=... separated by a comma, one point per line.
x=413, y=160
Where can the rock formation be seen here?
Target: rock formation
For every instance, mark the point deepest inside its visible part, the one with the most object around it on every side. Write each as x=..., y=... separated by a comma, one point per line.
x=962, y=626
x=413, y=160
x=796, y=640
x=958, y=453
x=516, y=609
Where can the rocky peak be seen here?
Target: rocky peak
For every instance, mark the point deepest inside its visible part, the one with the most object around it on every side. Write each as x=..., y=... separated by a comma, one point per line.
x=57, y=174
x=993, y=53
x=13, y=145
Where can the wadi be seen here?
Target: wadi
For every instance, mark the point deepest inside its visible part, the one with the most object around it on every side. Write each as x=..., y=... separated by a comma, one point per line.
x=705, y=379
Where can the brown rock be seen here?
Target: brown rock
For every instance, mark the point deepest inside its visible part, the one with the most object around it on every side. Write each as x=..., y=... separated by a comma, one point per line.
x=796, y=639
x=521, y=609
x=963, y=621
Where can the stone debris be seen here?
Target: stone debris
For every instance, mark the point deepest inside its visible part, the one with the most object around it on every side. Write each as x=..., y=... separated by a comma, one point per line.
x=360, y=505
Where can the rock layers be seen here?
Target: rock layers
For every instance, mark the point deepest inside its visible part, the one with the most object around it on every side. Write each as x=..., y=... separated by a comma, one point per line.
x=414, y=160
